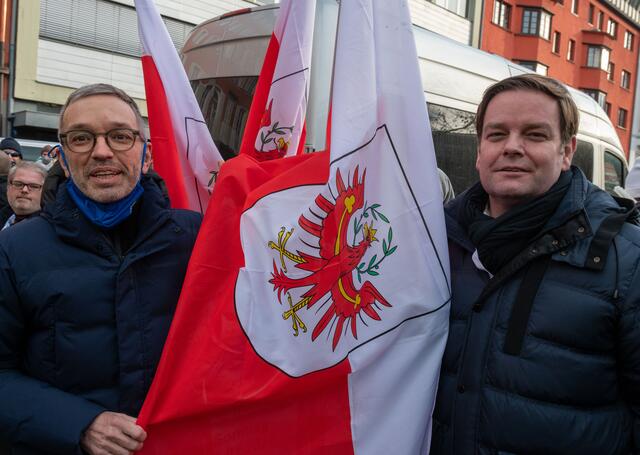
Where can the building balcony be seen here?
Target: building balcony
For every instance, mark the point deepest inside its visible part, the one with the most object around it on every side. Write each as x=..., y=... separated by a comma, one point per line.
x=594, y=78
x=598, y=37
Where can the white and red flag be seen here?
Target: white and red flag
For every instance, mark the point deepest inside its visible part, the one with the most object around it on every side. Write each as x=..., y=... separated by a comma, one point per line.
x=315, y=310
x=184, y=153
x=276, y=121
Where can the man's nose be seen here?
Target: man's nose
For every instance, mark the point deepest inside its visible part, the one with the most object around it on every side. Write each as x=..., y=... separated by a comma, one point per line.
x=101, y=149
x=514, y=144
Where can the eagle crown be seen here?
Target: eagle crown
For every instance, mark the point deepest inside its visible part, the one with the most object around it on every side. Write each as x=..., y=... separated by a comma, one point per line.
x=369, y=234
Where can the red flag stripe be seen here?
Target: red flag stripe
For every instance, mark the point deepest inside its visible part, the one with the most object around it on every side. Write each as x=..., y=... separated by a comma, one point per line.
x=260, y=97
x=212, y=392
x=167, y=162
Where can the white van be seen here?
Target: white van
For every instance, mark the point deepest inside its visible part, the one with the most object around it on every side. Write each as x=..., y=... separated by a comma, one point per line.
x=223, y=57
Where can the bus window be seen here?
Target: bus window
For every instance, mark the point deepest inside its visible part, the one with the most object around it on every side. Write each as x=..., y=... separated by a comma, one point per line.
x=225, y=103
x=455, y=141
x=583, y=158
x=613, y=172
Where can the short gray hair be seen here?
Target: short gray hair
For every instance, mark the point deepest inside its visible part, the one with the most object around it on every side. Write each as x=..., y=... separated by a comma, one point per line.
x=103, y=89
x=28, y=166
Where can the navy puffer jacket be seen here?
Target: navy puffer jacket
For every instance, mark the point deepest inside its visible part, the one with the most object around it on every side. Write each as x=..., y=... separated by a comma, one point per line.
x=570, y=384
x=81, y=326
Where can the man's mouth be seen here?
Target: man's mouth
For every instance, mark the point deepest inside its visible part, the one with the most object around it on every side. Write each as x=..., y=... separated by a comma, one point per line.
x=104, y=174
x=512, y=169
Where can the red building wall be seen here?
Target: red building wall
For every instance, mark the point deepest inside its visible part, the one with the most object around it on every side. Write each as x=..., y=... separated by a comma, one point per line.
x=510, y=43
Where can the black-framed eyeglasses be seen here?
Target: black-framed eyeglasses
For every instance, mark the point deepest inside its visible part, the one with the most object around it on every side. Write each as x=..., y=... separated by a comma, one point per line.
x=83, y=141
x=18, y=185
x=12, y=153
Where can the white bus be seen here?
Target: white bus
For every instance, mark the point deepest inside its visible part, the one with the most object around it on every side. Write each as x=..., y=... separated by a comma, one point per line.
x=223, y=57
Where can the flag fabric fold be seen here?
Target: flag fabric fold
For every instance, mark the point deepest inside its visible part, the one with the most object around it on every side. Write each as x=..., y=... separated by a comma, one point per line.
x=276, y=121
x=183, y=150
x=315, y=309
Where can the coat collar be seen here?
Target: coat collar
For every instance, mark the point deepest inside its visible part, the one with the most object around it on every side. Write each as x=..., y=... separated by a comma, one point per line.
x=571, y=228
x=74, y=228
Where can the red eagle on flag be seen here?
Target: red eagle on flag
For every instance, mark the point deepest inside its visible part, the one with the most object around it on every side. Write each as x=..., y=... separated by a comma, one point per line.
x=332, y=271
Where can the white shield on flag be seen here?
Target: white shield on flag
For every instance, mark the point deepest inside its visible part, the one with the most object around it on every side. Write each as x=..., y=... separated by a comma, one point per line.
x=325, y=266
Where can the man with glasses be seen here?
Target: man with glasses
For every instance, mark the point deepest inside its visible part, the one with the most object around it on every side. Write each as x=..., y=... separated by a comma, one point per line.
x=24, y=193
x=88, y=289
x=12, y=149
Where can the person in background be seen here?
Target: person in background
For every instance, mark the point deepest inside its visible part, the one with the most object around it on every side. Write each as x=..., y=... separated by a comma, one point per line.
x=88, y=288
x=543, y=353
x=55, y=178
x=12, y=148
x=23, y=192
x=5, y=165
x=445, y=185
x=48, y=156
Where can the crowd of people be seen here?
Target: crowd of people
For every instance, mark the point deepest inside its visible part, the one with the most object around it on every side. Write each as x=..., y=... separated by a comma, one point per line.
x=543, y=354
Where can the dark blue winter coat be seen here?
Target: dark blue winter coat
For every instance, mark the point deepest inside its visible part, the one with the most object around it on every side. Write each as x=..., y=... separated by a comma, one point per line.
x=572, y=385
x=82, y=327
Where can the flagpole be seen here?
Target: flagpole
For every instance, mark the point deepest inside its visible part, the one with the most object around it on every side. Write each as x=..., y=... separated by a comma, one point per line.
x=333, y=72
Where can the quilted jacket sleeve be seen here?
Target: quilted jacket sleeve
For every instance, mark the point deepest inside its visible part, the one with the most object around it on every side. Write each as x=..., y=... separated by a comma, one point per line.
x=33, y=413
x=629, y=353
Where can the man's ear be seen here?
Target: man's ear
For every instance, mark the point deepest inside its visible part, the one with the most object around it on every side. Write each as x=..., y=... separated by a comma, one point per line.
x=568, y=150
x=148, y=158
x=63, y=162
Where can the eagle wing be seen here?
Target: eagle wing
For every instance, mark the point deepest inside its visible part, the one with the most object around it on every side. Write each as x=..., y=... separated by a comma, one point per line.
x=332, y=231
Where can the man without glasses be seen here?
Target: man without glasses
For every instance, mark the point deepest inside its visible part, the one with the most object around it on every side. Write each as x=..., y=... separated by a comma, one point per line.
x=543, y=354
x=89, y=288
x=24, y=193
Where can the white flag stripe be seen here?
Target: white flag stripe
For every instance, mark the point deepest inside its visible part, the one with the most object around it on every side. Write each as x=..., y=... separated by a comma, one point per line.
x=377, y=85
x=289, y=89
x=199, y=154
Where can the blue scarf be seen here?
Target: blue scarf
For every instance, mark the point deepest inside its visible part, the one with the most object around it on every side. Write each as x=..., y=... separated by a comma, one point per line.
x=105, y=214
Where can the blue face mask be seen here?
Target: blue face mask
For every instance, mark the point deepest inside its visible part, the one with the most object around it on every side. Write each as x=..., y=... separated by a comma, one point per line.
x=109, y=214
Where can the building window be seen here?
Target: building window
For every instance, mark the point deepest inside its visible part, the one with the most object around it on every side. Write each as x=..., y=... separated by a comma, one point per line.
x=571, y=50
x=611, y=67
x=458, y=7
x=592, y=10
x=612, y=28
x=600, y=20
x=628, y=40
x=536, y=22
x=100, y=24
x=597, y=57
x=607, y=108
x=622, y=118
x=555, y=44
x=625, y=79
x=574, y=7
x=534, y=66
x=600, y=97
x=501, y=14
